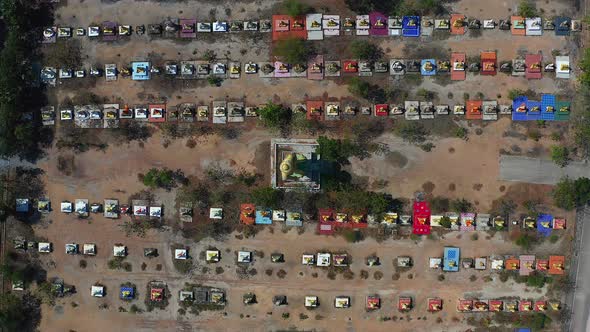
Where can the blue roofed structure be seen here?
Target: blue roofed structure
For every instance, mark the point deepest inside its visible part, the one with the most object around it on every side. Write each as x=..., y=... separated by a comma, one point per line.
x=263, y=217
x=548, y=108
x=519, y=114
x=544, y=222
x=428, y=67
x=140, y=71
x=533, y=110
x=562, y=26
x=411, y=26
x=451, y=259
x=127, y=293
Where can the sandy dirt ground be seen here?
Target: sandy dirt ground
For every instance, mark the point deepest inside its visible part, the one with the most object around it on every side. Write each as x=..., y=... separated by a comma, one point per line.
x=448, y=164
x=298, y=283
x=102, y=174
x=113, y=174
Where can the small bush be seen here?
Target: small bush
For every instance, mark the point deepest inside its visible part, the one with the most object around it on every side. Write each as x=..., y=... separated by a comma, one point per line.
x=353, y=236
x=534, y=134
x=348, y=275
x=191, y=143
x=134, y=309
x=83, y=264
x=536, y=279
x=461, y=133
x=364, y=50
x=556, y=136
x=526, y=241
x=527, y=9
x=427, y=147
x=296, y=8
x=214, y=80
x=560, y=155
x=504, y=276
x=378, y=275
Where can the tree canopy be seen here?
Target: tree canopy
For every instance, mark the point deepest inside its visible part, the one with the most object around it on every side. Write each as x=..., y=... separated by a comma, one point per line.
x=267, y=197
x=336, y=150
x=366, y=90
x=526, y=8
x=293, y=50
x=19, y=134
x=412, y=132
x=296, y=8
x=461, y=205
x=526, y=241
x=365, y=50
x=274, y=116
x=569, y=193
x=11, y=313
x=560, y=155
x=162, y=178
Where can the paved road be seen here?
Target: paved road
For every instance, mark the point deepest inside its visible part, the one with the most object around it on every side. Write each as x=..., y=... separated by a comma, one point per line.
x=578, y=299
x=540, y=171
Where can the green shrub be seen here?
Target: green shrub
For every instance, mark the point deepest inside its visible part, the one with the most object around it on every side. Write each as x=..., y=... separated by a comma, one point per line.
x=527, y=9
x=352, y=236
x=296, y=8
x=274, y=116
x=461, y=133
x=526, y=241
x=293, y=50
x=560, y=155
x=412, y=132
x=364, y=50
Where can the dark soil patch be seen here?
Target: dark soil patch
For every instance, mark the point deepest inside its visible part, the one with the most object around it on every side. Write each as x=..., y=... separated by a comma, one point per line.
x=396, y=159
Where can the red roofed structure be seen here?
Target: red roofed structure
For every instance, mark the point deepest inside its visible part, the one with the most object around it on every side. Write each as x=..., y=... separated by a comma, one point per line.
x=373, y=302
x=421, y=218
x=326, y=221
x=315, y=109
x=542, y=264
x=381, y=110
x=350, y=66
x=404, y=304
x=434, y=304
x=556, y=265
x=247, y=214
x=496, y=305
x=329, y=220
x=285, y=27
